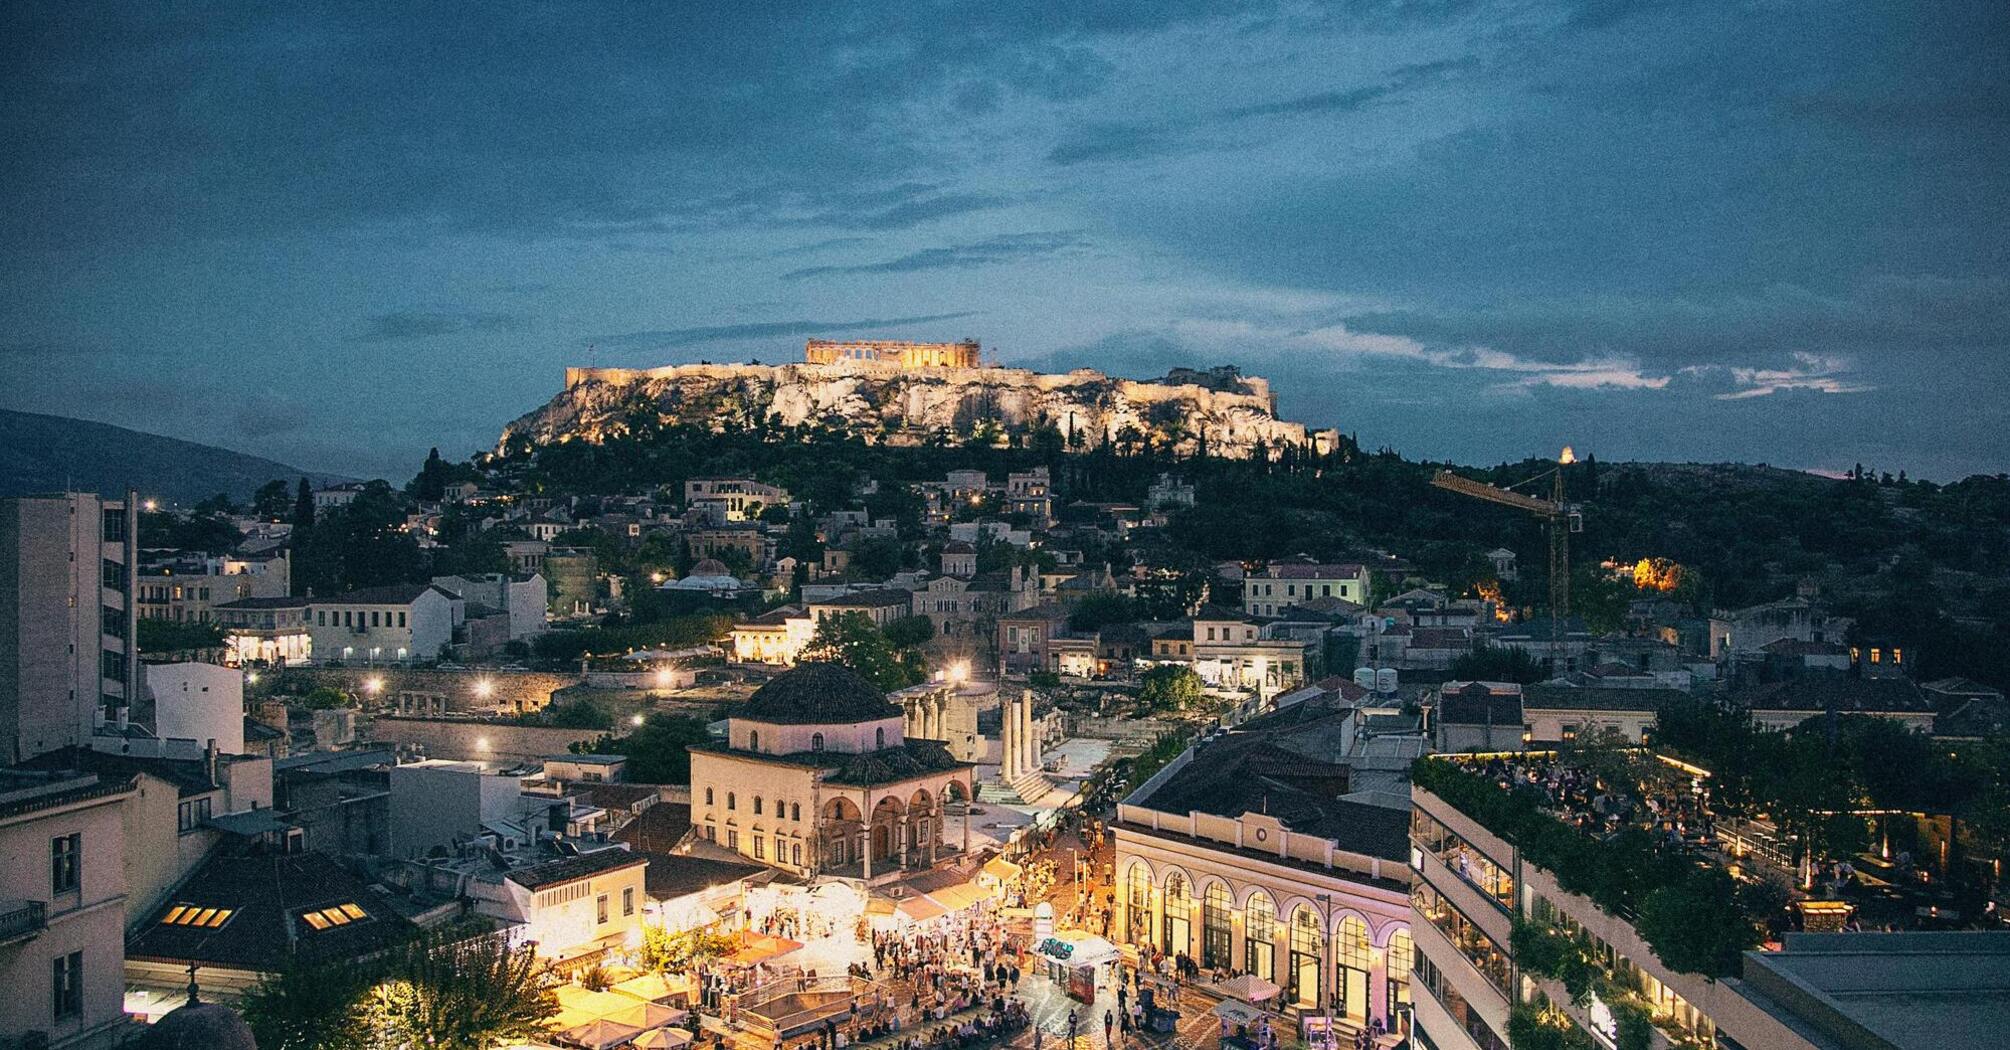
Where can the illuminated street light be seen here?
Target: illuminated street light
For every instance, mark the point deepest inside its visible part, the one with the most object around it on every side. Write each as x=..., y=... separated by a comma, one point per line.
x=663, y=678
x=959, y=671
x=374, y=684
x=150, y=506
x=636, y=719
x=251, y=677
x=484, y=688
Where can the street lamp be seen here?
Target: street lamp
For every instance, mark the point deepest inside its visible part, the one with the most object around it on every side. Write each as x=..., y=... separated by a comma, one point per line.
x=635, y=720
x=484, y=688
x=373, y=685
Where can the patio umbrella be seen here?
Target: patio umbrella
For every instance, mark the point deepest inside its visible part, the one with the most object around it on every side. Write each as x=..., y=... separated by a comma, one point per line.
x=600, y=1035
x=1249, y=988
x=663, y=1039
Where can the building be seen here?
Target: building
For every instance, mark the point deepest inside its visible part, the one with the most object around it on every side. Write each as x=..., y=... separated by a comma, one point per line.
x=189, y=590
x=62, y=907
x=525, y=599
x=399, y=623
x=1171, y=491
x=1230, y=651
x=1476, y=896
x=1255, y=854
x=270, y=632
x=732, y=499
x=334, y=496
x=717, y=541
x=67, y=655
x=201, y=703
x=1559, y=714
x=1026, y=638
x=888, y=353
x=1283, y=584
x=881, y=605
x=573, y=574
x=950, y=710
x=437, y=804
x=777, y=636
x=817, y=777
x=1784, y=705
x=244, y=915
x=1480, y=716
x=571, y=906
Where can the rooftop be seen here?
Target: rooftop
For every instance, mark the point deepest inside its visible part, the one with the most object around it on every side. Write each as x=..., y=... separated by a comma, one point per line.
x=261, y=907
x=573, y=869
x=1911, y=991
x=817, y=694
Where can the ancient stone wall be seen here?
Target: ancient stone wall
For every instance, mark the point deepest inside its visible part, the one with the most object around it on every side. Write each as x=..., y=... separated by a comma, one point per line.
x=476, y=740
x=435, y=691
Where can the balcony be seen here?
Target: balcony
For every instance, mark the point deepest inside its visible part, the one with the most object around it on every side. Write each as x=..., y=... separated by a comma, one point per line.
x=22, y=920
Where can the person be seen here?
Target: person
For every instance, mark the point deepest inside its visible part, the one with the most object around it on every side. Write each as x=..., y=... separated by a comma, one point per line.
x=1072, y=1021
x=1109, y=1023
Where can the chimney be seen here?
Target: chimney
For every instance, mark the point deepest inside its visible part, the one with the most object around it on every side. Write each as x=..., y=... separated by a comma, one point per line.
x=209, y=759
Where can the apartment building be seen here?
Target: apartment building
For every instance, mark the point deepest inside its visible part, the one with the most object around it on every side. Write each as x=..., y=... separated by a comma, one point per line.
x=67, y=658
x=62, y=908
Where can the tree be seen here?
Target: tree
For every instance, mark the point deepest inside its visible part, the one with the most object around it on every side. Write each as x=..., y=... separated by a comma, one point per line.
x=1100, y=609
x=431, y=484
x=910, y=632
x=1170, y=687
x=174, y=636
x=303, y=506
x=657, y=751
x=312, y=1008
x=851, y=640
x=324, y=698
x=579, y=713
x=1697, y=926
x=668, y=951
x=470, y=994
x=1490, y=663
x=270, y=501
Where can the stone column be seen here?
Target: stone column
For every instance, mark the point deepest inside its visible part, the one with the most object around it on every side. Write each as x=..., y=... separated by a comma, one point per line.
x=1008, y=740
x=865, y=855
x=1029, y=755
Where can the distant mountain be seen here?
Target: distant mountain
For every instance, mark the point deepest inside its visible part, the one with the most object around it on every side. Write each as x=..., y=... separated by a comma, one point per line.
x=49, y=453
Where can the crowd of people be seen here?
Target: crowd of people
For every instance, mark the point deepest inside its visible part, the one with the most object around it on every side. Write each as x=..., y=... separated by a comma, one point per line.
x=1678, y=818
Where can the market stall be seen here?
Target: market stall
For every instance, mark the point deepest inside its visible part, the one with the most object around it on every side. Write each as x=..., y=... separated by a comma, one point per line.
x=1078, y=962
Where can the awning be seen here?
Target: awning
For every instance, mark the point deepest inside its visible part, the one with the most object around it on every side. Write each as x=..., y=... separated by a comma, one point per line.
x=663, y=1039
x=1238, y=1012
x=1248, y=987
x=599, y=1035
x=921, y=909
x=959, y=897
x=1001, y=869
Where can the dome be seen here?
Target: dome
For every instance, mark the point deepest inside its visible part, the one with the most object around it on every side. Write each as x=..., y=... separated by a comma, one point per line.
x=710, y=574
x=817, y=694
x=199, y=1026
x=710, y=567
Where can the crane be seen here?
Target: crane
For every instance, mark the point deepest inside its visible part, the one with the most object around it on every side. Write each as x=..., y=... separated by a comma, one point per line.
x=1560, y=517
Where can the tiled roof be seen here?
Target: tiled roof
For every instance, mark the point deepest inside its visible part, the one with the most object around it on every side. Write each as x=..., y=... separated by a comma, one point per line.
x=880, y=598
x=1848, y=695
x=391, y=594
x=658, y=828
x=1596, y=698
x=187, y=775
x=817, y=694
x=673, y=875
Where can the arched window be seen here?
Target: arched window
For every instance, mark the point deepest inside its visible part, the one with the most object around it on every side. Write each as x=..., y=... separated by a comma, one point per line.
x=1260, y=924
x=1301, y=977
x=795, y=811
x=1402, y=955
x=708, y=796
x=879, y=737
x=1215, y=934
x=729, y=800
x=816, y=741
x=1178, y=926
x=753, y=740
x=757, y=805
x=1138, y=887
x=1354, y=964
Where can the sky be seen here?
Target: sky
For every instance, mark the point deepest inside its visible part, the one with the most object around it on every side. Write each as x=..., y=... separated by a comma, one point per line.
x=339, y=234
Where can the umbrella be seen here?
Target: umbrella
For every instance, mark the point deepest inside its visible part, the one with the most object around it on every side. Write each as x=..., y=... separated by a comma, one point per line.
x=600, y=1035
x=663, y=1039
x=1249, y=988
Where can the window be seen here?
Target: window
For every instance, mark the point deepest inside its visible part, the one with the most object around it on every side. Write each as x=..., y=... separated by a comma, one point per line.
x=796, y=854
x=708, y=796
x=816, y=741
x=401, y=619
x=879, y=737
x=732, y=838
x=1261, y=925
x=115, y=622
x=754, y=740
x=114, y=576
x=731, y=801
x=757, y=805
x=196, y=915
x=1402, y=954
x=374, y=618
x=191, y=814
x=67, y=986
x=628, y=900
x=1214, y=925
x=66, y=859
x=795, y=811
x=760, y=848
x=1138, y=888
x=334, y=915
x=113, y=665
x=600, y=908
x=115, y=526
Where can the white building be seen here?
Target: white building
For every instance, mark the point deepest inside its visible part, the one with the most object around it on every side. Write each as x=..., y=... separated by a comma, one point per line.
x=524, y=598
x=198, y=702
x=271, y=631
x=400, y=623
x=1283, y=584
x=441, y=803
x=62, y=908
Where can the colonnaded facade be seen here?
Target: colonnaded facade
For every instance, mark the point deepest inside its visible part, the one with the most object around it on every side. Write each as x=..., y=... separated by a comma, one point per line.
x=892, y=353
x=817, y=777
x=1244, y=858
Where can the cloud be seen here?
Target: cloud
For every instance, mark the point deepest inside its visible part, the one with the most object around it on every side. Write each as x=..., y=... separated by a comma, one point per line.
x=765, y=330
x=992, y=251
x=404, y=325
x=1112, y=141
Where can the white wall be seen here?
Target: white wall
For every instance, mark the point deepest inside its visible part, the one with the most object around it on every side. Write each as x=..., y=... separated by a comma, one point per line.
x=200, y=702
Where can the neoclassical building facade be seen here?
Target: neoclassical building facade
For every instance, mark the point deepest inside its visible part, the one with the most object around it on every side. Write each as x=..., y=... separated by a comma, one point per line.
x=1248, y=857
x=817, y=777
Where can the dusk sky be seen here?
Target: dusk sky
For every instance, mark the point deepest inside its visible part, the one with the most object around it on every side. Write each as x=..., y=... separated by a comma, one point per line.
x=1766, y=232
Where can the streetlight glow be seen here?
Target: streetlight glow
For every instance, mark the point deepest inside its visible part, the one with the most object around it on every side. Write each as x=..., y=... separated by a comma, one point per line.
x=374, y=684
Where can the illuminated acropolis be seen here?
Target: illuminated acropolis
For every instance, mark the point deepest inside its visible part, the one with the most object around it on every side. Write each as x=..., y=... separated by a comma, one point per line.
x=892, y=353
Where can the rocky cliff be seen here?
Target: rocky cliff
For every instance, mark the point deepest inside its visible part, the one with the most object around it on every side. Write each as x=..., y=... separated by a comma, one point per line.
x=1232, y=413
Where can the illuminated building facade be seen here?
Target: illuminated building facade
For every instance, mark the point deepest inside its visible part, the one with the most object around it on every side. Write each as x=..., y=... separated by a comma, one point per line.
x=892, y=354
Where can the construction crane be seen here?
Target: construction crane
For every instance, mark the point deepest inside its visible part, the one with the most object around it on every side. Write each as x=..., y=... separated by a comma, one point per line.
x=1560, y=517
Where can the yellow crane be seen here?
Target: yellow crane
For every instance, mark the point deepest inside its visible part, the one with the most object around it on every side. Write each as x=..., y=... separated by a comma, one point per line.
x=1560, y=517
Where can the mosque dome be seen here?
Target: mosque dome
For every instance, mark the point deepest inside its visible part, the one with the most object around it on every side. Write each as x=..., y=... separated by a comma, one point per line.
x=817, y=694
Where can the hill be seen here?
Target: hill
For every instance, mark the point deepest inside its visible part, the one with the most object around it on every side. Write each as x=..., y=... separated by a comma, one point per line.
x=50, y=453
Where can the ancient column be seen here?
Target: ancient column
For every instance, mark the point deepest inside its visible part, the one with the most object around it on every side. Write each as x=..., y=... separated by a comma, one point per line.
x=865, y=855
x=1008, y=740
x=1029, y=755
